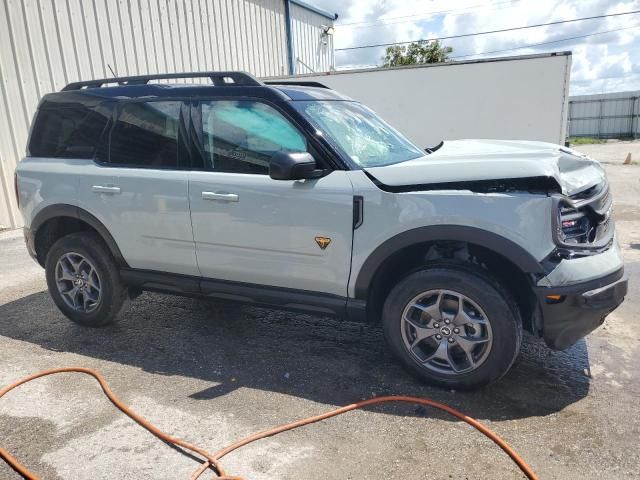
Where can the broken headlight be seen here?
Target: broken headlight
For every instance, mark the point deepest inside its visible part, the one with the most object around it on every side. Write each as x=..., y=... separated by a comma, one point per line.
x=574, y=226
x=583, y=223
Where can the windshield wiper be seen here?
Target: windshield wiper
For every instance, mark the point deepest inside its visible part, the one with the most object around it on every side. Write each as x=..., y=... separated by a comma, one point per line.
x=435, y=148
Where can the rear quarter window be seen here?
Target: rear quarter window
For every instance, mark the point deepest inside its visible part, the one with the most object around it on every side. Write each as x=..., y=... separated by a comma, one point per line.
x=67, y=132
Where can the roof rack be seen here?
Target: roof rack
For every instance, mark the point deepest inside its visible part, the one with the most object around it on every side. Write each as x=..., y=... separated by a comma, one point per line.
x=297, y=82
x=218, y=79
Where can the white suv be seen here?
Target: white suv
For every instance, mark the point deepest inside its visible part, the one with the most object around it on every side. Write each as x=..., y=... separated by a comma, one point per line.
x=295, y=196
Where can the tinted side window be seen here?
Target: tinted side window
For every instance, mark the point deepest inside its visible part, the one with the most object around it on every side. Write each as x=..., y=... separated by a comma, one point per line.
x=67, y=132
x=241, y=136
x=146, y=135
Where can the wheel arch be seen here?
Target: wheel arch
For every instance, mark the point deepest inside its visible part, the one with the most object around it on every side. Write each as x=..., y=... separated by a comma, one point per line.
x=47, y=223
x=402, y=253
x=472, y=235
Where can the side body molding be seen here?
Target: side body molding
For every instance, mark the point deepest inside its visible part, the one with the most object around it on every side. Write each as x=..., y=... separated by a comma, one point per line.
x=492, y=241
x=72, y=211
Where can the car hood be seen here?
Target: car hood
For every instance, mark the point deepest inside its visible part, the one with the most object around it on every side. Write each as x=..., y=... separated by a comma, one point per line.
x=481, y=160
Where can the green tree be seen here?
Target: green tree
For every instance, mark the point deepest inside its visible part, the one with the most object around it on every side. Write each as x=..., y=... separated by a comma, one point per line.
x=416, y=53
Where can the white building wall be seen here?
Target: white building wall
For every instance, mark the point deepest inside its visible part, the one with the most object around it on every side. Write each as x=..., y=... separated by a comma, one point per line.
x=312, y=51
x=510, y=98
x=45, y=44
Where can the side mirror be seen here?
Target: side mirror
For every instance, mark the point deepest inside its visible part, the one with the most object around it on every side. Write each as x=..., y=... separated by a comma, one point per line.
x=292, y=166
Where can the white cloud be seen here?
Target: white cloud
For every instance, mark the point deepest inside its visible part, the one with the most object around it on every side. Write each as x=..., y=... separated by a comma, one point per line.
x=606, y=62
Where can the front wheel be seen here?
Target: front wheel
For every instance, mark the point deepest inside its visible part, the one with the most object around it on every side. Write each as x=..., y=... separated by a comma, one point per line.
x=454, y=326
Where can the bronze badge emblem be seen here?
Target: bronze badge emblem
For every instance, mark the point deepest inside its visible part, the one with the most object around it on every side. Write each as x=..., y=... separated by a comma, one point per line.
x=323, y=242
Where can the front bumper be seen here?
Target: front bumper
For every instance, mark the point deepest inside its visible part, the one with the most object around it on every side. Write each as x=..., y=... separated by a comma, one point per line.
x=571, y=312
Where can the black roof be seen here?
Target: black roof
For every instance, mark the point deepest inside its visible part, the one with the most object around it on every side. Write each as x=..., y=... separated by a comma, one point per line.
x=304, y=92
x=223, y=84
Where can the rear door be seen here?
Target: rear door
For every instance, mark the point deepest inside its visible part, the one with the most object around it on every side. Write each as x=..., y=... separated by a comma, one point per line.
x=252, y=229
x=139, y=187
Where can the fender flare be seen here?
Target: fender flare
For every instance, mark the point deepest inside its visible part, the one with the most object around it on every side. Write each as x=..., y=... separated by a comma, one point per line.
x=72, y=211
x=477, y=236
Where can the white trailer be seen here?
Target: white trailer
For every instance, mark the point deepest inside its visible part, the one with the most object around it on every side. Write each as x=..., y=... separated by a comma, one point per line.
x=510, y=98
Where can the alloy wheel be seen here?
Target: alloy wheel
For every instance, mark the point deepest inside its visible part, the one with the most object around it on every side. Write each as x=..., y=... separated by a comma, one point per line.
x=446, y=332
x=78, y=282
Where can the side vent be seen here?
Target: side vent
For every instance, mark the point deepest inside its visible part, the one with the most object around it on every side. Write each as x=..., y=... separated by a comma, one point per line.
x=358, y=211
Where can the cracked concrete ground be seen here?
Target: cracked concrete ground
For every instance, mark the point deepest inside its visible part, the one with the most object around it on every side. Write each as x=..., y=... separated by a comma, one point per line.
x=213, y=373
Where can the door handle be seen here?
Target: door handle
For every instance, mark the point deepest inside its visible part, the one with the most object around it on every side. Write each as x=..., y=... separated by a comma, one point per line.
x=105, y=189
x=225, y=197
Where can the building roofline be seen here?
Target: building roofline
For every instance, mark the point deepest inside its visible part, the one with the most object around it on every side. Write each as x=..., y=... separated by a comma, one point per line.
x=312, y=8
x=452, y=63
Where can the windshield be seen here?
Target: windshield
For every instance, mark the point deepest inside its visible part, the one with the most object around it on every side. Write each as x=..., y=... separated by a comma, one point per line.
x=359, y=132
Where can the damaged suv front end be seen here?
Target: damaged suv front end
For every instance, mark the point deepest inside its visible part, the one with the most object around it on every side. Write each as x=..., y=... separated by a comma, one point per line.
x=586, y=278
x=569, y=229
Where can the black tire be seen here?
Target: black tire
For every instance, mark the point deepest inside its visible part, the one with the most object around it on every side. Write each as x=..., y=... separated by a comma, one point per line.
x=113, y=297
x=480, y=287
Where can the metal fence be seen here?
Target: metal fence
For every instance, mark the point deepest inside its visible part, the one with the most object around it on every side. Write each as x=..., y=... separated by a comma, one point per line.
x=609, y=115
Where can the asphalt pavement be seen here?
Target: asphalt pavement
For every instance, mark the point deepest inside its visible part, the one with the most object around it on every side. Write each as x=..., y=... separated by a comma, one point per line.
x=212, y=373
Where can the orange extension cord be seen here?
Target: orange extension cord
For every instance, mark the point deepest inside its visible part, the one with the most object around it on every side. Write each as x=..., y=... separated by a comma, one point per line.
x=212, y=461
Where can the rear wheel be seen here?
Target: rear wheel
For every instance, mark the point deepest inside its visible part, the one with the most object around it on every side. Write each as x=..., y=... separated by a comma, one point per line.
x=84, y=280
x=454, y=326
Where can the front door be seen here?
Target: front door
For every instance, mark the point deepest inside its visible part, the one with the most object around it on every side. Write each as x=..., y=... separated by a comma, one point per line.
x=252, y=229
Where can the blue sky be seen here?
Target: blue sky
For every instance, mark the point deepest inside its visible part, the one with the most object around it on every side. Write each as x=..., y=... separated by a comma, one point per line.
x=607, y=62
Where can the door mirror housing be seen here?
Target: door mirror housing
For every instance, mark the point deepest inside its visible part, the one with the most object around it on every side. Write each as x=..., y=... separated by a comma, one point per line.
x=292, y=166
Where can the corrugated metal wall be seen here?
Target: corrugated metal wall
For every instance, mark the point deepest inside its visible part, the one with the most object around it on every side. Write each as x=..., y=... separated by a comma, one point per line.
x=609, y=115
x=312, y=51
x=45, y=44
